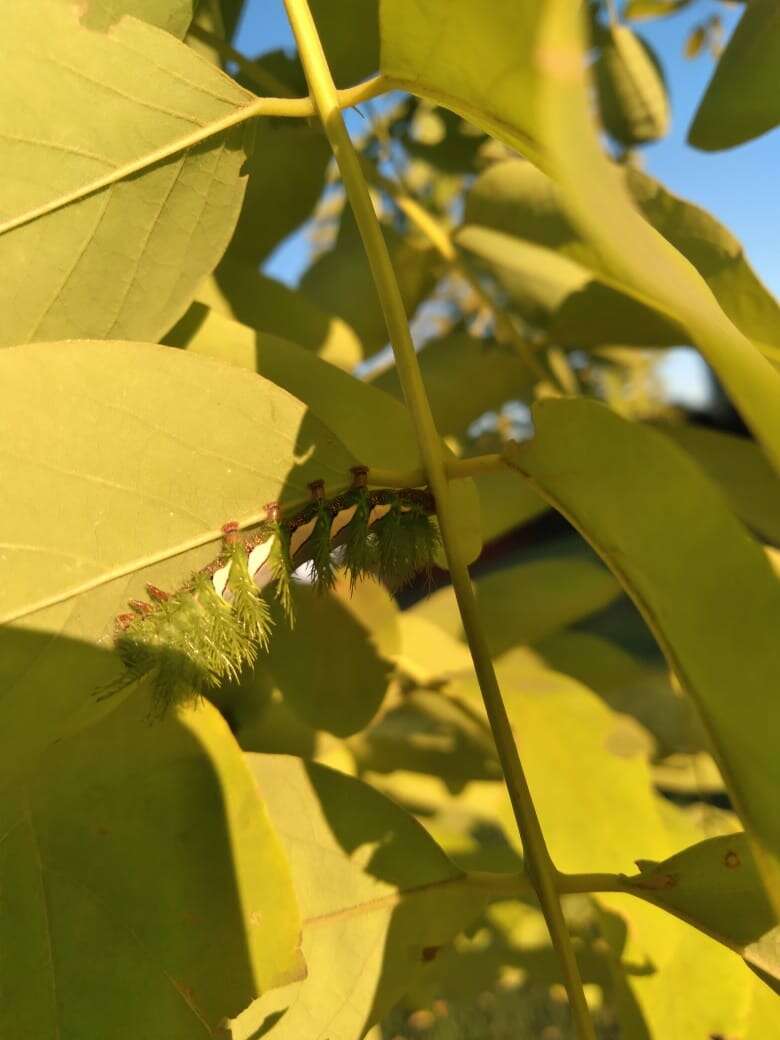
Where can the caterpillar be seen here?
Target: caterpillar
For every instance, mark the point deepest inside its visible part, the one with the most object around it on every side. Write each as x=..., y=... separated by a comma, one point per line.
x=195, y=639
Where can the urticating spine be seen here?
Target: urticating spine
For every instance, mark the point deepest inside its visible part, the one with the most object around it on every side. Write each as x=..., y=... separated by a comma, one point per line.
x=191, y=641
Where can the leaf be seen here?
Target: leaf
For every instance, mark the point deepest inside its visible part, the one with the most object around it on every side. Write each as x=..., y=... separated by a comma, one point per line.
x=506, y=504
x=370, y=423
x=705, y=588
x=428, y=652
x=523, y=204
x=741, y=101
x=596, y=807
x=537, y=101
x=429, y=733
x=149, y=884
x=286, y=177
x=630, y=686
x=640, y=9
x=126, y=459
x=422, y=49
x=378, y=898
x=350, y=37
x=340, y=281
x=741, y=470
x=172, y=15
x=492, y=373
x=121, y=183
x=714, y=885
x=631, y=89
x=238, y=291
x=333, y=668
x=523, y=602
x=375, y=427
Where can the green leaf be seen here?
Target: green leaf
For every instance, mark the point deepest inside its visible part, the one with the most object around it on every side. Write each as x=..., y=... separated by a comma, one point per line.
x=121, y=185
x=631, y=89
x=429, y=733
x=640, y=9
x=597, y=807
x=741, y=470
x=436, y=64
x=523, y=602
x=374, y=426
x=714, y=885
x=238, y=291
x=149, y=884
x=349, y=32
x=741, y=100
x=630, y=686
x=706, y=589
x=519, y=201
x=126, y=459
x=172, y=15
x=340, y=281
x=286, y=177
x=537, y=101
x=492, y=373
x=378, y=898
x=333, y=668
x=505, y=503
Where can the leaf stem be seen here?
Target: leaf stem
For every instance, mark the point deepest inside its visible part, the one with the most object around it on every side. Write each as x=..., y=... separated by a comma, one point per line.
x=456, y=469
x=541, y=871
x=441, y=240
x=261, y=106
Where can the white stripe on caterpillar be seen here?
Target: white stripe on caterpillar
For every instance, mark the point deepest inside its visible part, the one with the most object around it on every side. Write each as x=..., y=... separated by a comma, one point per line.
x=377, y=513
x=341, y=519
x=301, y=534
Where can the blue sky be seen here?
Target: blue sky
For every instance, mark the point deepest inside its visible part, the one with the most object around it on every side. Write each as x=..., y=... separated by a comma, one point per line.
x=738, y=186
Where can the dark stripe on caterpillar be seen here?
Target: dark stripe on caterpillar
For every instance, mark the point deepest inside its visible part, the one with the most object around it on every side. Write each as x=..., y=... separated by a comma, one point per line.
x=191, y=641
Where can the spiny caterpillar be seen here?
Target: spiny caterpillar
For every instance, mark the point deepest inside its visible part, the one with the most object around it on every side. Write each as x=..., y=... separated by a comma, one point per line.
x=193, y=640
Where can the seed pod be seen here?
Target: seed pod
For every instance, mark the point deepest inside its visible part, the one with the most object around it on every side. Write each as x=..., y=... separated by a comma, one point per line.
x=631, y=89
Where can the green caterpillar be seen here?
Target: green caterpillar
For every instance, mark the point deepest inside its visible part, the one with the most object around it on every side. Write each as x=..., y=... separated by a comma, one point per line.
x=193, y=640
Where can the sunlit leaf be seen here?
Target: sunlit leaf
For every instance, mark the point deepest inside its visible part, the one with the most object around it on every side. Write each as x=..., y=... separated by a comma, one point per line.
x=172, y=15
x=517, y=200
x=372, y=424
x=715, y=886
x=126, y=459
x=378, y=898
x=537, y=101
x=149, y=884
x=89, y=250
x=239, y=291
x=704, y=586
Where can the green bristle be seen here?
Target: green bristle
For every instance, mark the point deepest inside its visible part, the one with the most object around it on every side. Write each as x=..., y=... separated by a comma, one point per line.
x=219, y=636
x=407, y=542
x=322, y=568
x=247, y=602
x=360, y=543
x=282, y=569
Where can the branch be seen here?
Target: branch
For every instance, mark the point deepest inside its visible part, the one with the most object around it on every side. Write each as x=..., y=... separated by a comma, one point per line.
x=540, y=867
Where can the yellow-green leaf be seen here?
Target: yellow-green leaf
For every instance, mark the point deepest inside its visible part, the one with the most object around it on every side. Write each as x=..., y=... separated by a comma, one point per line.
x=125, y=459
x=704, y=586
x=149, y=886
x=378, y=898
x=742, y=100
x=109, y=219
x=714, y=885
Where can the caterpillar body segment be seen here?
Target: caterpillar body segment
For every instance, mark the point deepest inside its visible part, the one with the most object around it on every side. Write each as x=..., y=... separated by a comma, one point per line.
x=193, y=640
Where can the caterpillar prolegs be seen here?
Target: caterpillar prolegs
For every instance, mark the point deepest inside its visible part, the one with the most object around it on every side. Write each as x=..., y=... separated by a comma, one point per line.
x=191, y=641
